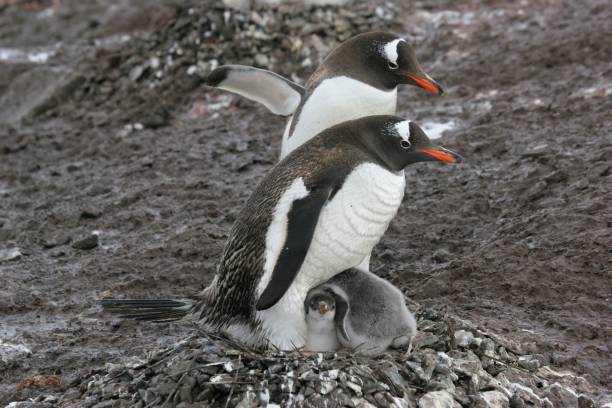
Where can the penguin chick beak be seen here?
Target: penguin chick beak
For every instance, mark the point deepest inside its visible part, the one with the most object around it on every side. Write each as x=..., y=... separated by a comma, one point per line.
x=323, y=309
x=442, y=154
x=427, y=84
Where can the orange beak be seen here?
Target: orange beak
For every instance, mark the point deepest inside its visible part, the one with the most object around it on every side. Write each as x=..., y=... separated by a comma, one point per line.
x=442, y=155
x=427, y=84
x=323, y=309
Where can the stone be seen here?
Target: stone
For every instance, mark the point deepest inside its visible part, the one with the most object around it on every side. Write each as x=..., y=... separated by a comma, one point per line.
x=87, y=243
x=495, y=399
x=105, y=404
x=430, y=341
x=467, y=365
x=561, y=396
x=528, y=362
x=585, y=402
x=464, y=338
x=11, y=254
x=487, y=348
x=327, y=386
x=441, y=255
x=11, y=353
x=438, y=399
x=53, y=241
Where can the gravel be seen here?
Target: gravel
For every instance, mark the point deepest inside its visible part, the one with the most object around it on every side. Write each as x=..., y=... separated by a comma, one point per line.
x=208, y=368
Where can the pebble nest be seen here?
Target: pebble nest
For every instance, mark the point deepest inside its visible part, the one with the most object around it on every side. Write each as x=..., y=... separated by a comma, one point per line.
x=452, y=364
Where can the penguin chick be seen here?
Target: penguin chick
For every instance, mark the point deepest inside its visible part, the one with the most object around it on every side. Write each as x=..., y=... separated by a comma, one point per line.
x=320, y=313
x=370, y=313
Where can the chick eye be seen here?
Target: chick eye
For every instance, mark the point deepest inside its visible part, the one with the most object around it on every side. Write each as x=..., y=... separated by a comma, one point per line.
x=405, y=144
x=393, y=65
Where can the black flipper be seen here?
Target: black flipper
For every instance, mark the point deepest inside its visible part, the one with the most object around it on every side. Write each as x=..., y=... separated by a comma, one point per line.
x=157, y=310
x=280, y=95
x=301, y=223
x=342, y=311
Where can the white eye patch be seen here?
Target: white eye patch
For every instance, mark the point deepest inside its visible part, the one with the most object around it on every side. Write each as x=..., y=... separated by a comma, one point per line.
x=403, y=129
x=389, y=51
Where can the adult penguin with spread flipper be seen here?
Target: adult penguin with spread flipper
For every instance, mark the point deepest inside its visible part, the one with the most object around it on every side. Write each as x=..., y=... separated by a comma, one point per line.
x=360, y=311
x=358, y=78
x=317, y=213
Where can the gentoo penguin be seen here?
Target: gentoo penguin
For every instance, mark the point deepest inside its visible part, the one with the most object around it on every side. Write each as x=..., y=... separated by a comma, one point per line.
x=317, y=213
x=358, y=78
x=369, y=313
x=320, y=309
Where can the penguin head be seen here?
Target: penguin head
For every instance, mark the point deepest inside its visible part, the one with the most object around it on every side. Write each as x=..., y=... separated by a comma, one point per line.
x=397, y=142
x=321, y=306
x=387, y=58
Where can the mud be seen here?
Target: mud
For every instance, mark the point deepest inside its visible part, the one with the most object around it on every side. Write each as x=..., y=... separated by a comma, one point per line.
x=517, y=239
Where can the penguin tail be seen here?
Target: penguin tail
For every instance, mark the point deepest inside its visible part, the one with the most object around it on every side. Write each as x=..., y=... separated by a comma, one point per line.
x=155, y=310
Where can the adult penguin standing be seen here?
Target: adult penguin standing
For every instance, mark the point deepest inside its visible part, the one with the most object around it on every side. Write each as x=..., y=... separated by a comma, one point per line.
x=358, y=78
x=317, y=213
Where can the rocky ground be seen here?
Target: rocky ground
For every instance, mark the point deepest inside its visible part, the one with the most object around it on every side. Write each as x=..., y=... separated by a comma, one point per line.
x=121, y=174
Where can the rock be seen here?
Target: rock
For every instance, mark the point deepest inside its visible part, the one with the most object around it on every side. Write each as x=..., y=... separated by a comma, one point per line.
x=585, y=402
x=55, y=241
x=86, y=243
x=186, y=387
x=495, y=399
x=442, y=255
x=467, y=365
x=438, y=399
x=10, y=353
x=430, y=340
x=327, y=386
x=505, y=356
x=105, y=404
x=516, y=402
x=561, y=396
x=464, y=338
x=528, y=362
x=136, y=72
x=327, y=3
x=356, y=388
x=11, y=254
x=237, y=4
x=487, y=348
x=89, y=214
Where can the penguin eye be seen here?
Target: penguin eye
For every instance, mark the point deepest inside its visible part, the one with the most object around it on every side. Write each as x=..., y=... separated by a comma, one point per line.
x=405, y=144
x=393, y=65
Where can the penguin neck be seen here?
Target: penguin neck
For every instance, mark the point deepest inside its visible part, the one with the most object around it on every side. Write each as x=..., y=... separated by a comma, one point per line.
x=333, y=101
x=375, y=151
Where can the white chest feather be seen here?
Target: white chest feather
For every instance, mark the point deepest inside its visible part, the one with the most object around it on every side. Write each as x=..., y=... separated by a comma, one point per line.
x=349, y=227
x=321, y=335
x=353, y=222
x=334, y=101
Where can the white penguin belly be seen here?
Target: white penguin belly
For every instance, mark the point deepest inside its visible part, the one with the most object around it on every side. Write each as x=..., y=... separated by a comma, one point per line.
x=349, y=227
x=334, y=101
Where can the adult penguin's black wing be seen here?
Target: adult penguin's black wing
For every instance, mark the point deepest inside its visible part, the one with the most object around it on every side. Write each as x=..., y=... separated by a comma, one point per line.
x=280, y=95
x=302, y=220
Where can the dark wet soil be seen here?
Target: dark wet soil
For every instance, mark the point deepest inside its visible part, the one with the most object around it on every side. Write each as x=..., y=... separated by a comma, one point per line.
x=518, y=239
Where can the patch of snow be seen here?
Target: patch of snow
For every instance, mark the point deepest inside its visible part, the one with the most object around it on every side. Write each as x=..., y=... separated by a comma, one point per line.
x=434, y=130
x=10, y=352
x=39, y=55
x=112, y=40
x=10, y=254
